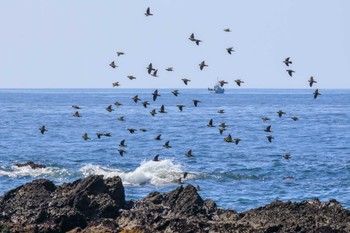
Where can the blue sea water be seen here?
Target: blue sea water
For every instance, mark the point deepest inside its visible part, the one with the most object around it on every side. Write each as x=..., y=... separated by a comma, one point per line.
x=239, y=177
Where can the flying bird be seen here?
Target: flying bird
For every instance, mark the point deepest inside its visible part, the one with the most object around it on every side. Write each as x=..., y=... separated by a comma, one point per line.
x=280, y=113
x=131, y=130
x=76, y=107
x=76, y=114
x=116, y=84
x=286, y=156
x=136, y=98
x=290, y=72
x=145, y=103
x=158, y=137
x=295, y=118
x=109, y=108
x=121, y=118
x=227, y=30
x=113, y=65
x=121, y=152
x=86, y=137
x=153, y=112
x=155, y=95
x=122, y=143
x=42, y=129
x=221, y=111
x=228, y=138
x=189, y=153
x=195, y=102
x=264, y=119
x=223, y=125
x=316, y=93
x=230, y=50
x=180, y=106
x=131, y=77
x=162, y=109
x=221, y=130
x=185, y=80
x=237, y=140
x=149, y=68
x=154, y=74
x=311, y=81
x=287, y=61
x=202, y=65
x=238, y=81
x=143, y=130
x=166, y=145
x=148, y=12
x=210, y=124
x=120, y=53
x=169, y=69
x=107, y=134
x=270, y=137
x=117, y=104
x=222, y=83
x=156, y=158
x=175, y=92
x=268, y=129
x=99, y=135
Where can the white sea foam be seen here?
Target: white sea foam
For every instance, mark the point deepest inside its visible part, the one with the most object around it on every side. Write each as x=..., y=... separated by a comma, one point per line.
x=149, y=172
x=27, y=171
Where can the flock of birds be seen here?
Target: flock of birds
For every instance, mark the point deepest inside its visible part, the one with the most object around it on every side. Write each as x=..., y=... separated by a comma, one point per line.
x=151, y=70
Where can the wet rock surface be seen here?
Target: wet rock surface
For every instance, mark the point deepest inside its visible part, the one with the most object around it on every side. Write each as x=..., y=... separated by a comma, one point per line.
x=97, y=205
x=30, y=164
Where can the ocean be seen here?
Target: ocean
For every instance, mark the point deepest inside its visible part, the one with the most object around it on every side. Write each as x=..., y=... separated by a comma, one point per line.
x=239, y=177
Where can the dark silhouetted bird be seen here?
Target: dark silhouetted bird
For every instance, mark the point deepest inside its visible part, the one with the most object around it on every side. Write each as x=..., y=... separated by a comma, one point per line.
x=180, y=106
x=166, y=145
x=76, y=114
x=131, y=77
x=223, y=125
x=155, y=95
x=158, y=137
x=237, y=140
x=145, y=103
x=195, y=102
x=221, y=130
x=156, y=158
x=221, y=111
x=148, y=12
x=230, y=50
x=76, y=107
x=99, y=135
x=136, y=98
x=265, y=119
x=169, y=69
x=121, y=152
x=109, y=108
x=295, y=118
x=153, y=112
x=107, y=135
x=290, y=72
x=280, y=113
x=268, y=129
x=311, y=81
x=116, y=84
x=86, y=137
x=143, y=130
x=210, y=124
x=287, y=61
x=154, y=74
x=120, y=53
x=117, y=104
x=113, y=65
x=121, y=118
x=202, y=65
x=222, y=83
x=42, y=129
x=192, y=38
x=149, y=68
x=189, y=153
x=162, y=110
x=175, y=92
x=228, y=138
x=286, y=156
x=270, y=137
x=185, y=80
x=131, y=130
x=316, y=93
x=227, y=30
x=122, y=143
x=238, y=81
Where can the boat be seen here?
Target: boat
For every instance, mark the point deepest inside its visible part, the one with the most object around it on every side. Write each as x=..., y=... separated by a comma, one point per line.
x=217, y=89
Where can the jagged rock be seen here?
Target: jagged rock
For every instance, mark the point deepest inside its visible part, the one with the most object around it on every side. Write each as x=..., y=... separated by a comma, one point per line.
x=31, y=164
x=94, y=205
x=42, y=206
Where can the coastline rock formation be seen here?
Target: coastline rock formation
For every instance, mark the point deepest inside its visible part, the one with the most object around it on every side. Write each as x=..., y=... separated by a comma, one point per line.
x=31, y=164
x=93, y=204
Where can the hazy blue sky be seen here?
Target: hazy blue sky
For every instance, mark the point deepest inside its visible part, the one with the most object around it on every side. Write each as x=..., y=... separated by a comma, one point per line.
x=58, y=44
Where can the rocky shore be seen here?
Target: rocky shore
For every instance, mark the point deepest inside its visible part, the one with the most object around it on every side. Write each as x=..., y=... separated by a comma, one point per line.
x=95, y=204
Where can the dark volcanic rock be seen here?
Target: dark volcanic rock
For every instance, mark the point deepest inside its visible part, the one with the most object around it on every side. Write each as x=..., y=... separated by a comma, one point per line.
x=31, y=164
x=44, y=207
x=94, y=205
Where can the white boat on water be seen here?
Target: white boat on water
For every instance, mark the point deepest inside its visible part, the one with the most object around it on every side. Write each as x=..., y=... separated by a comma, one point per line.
x=217, y=89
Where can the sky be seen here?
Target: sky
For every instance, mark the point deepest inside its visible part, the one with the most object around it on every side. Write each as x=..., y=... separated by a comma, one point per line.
x=70, y=44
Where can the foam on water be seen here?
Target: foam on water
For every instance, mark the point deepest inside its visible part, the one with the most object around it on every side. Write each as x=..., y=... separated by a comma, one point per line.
x=149, y=172
x=27, y=171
